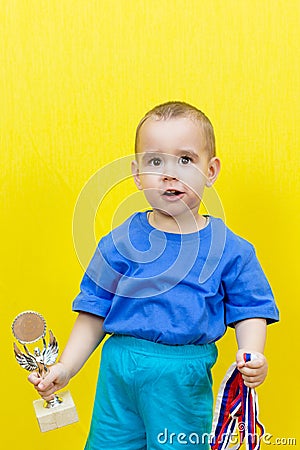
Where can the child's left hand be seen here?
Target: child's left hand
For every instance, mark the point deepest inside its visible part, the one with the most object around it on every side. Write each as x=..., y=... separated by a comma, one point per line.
x=254, y=372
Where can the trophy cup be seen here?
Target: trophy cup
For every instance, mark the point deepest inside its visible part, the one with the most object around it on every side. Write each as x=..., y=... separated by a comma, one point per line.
x=29, y=327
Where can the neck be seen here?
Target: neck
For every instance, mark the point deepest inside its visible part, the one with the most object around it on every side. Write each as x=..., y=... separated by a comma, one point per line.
x=183, y=224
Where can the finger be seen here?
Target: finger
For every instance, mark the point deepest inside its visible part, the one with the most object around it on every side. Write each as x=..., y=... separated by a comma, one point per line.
x=47, y=381
x=256, y=363
x=47, y=391
x=240, y=359
x=254, y=381
x=34, y=378
x=248, y=372
x=250, y=381
x=252, y=378
x=252, y=384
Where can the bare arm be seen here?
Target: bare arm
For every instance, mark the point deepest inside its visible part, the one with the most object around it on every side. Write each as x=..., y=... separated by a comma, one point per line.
x=85, y=337
x=251, y=338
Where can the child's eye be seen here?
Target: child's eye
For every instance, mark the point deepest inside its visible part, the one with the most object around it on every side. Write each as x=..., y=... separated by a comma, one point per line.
x=184, y=160
x=156, y=162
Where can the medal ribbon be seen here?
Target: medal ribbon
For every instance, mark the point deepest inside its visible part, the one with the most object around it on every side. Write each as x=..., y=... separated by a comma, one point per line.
x=236, y=413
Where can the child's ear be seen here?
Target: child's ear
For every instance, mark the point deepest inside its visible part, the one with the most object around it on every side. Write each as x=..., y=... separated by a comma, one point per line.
x=214, y=167
x=136, y=174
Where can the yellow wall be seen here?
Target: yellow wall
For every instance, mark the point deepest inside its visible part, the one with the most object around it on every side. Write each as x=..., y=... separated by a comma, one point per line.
x=75, y=78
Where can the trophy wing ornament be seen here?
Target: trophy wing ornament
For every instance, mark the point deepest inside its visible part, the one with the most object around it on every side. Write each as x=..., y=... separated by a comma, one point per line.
x=27, y=361
x=50, y=352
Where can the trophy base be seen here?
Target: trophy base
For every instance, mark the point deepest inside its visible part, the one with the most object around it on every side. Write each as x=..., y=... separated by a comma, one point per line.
x=61, y=415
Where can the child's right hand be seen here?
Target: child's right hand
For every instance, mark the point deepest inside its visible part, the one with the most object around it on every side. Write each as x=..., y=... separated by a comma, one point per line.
x=57, y=378
x=86, y=335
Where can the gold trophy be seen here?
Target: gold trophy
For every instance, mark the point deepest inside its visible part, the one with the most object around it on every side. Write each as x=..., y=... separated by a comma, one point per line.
x=29, y=327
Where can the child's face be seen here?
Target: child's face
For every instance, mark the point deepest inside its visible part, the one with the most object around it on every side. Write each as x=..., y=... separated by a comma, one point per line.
x=172, y=166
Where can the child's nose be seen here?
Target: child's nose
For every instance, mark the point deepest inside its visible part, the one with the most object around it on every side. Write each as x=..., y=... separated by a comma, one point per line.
x=170, y=171
x=168, y=177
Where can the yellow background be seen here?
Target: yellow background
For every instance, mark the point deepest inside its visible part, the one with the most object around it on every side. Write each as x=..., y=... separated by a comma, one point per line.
x=75, y=78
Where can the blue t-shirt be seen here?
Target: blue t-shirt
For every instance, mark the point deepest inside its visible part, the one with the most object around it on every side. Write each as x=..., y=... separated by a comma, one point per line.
x=174, y=288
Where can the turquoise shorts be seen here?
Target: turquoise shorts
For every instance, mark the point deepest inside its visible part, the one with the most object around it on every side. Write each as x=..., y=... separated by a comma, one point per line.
x=152, y=396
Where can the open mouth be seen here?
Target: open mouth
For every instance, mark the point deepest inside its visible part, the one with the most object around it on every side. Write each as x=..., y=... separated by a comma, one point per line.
x=172, y=193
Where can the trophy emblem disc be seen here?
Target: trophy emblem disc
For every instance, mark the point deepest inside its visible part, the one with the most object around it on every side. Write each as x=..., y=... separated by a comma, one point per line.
x=29, y=327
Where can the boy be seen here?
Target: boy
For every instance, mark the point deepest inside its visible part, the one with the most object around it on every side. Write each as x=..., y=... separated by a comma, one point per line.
x=165, y=284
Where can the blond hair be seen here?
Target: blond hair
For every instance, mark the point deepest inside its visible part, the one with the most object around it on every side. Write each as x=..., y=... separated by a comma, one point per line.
x=175, y=109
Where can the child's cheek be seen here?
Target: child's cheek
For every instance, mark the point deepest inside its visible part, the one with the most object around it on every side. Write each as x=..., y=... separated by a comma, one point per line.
x=193, y=178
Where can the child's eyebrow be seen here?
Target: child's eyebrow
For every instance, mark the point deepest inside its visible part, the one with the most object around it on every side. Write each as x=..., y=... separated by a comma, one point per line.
x=180, y=152
x=190, y=153
x=150, y=154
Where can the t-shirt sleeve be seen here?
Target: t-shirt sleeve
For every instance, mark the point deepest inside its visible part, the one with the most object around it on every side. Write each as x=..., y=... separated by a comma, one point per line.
x=247, y=291
x=97, y=286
